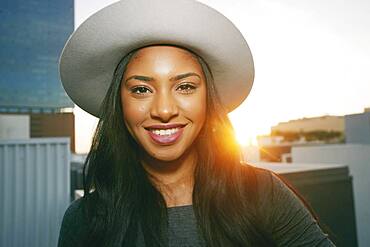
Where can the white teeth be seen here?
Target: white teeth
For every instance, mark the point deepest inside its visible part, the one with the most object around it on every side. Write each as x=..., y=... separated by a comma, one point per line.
x=165, y=132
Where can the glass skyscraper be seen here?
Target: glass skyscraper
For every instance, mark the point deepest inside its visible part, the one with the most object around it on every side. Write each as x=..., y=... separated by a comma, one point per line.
x=32, y=35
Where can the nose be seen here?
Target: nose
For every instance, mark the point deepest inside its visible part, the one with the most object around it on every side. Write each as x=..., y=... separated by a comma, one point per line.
x=164, y=107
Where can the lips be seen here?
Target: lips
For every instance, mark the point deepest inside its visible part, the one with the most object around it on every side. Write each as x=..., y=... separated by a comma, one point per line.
x=165, y=134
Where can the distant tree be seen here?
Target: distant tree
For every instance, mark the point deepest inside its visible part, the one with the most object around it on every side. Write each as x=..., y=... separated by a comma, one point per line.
x=309, y=136
x=289, y=136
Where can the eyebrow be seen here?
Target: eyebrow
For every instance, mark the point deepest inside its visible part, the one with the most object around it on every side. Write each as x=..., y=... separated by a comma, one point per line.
x=174, y=78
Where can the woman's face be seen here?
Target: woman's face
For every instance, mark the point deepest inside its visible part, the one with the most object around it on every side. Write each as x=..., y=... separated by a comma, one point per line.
x=163, y=94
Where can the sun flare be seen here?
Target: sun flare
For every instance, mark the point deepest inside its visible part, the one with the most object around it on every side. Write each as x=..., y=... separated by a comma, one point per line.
x=248, y=124
x=244, y=132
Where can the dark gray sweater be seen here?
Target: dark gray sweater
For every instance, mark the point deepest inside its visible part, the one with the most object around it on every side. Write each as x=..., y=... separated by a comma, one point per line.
x=284, y=216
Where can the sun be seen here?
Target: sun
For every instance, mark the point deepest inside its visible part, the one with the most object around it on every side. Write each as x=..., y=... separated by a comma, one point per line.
x=244, y=131
x=248, y=123
x=244, y=137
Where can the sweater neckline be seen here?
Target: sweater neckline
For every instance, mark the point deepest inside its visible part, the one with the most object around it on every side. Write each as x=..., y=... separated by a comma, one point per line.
x=180, y=207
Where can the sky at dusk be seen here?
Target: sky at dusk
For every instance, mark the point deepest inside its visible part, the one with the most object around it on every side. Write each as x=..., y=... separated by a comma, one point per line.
x=312, y=58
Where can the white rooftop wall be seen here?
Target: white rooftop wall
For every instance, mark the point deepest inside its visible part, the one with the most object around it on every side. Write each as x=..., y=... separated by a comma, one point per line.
x=358, y=128
x=14, y=126
x=34, y=190
x=357, y=158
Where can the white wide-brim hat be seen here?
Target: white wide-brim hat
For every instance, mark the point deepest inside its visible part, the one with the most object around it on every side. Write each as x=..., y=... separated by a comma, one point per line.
x=94, y=50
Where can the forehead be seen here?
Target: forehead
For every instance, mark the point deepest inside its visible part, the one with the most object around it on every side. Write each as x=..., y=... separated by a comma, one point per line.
x=170, y=57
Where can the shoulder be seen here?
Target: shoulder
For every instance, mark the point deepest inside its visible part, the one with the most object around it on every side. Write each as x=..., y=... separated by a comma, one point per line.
x=73, y=225
x=285, y=213
x=263, y=175
x=269, y=184
x=265, y=180
x=74, y=208
x=276, y=198
x=74, y=213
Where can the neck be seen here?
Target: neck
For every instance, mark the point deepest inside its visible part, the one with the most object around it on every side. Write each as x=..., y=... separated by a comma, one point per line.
x=174, y=179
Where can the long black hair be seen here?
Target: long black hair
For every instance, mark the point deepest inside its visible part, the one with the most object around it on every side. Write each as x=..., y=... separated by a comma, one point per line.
x=120, y=199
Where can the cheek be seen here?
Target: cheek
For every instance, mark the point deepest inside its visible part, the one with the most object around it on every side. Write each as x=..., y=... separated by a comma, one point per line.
x=134, y=112
x=195, y=108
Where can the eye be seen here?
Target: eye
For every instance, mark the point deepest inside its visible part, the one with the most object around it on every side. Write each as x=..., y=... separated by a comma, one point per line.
x=186, y=88
x=140, y=90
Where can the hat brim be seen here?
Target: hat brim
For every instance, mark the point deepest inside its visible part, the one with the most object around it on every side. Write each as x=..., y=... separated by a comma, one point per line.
x=93, y=51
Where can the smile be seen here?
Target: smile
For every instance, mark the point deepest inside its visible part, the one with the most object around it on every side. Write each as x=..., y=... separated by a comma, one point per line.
x=165, y=134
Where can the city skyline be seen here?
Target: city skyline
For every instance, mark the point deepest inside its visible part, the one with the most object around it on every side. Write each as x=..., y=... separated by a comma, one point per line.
x=311, y=59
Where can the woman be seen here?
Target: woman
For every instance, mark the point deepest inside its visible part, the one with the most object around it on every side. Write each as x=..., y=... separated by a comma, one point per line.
x=164, y=168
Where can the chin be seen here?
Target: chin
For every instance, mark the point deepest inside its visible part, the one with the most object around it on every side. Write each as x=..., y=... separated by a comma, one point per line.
x=167, y=156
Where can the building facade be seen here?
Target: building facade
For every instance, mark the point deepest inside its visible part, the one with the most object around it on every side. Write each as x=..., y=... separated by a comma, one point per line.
x=32, y=36
x=33, y=102
x=358, y=128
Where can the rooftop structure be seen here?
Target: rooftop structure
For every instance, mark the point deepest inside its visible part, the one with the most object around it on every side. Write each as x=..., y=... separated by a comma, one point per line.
x=325, y=123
